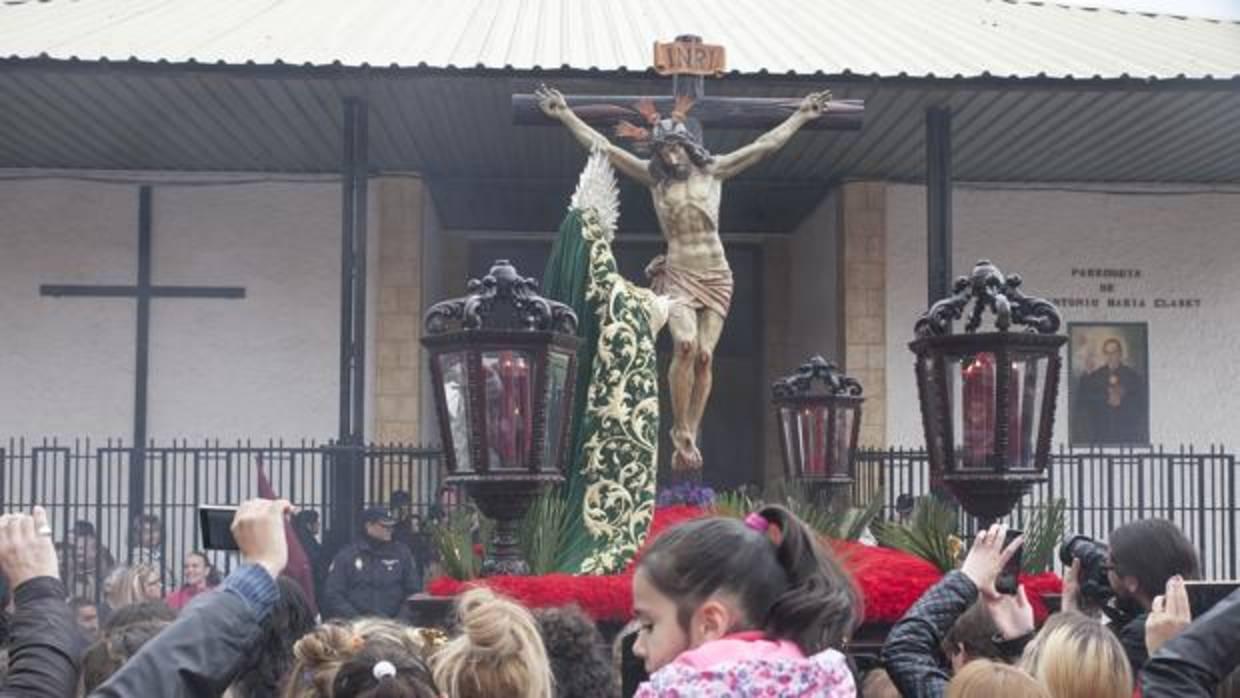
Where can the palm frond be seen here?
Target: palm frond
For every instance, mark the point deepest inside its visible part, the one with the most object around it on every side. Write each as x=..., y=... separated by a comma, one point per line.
x=930, y=534
x=546, y=531
x=1043, y=532
x=453, y=538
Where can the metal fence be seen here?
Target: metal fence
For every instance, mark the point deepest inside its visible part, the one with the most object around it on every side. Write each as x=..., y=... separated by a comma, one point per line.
x=87, y=486
x=1102, y=489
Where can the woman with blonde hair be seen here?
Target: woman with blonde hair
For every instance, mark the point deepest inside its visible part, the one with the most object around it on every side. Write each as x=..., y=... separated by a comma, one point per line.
x=125, y=586
x=498, y=653
x=1078, y=657
x=983, y=678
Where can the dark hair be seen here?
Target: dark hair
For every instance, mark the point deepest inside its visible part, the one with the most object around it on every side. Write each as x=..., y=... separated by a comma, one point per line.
x=698, y=154
x=272, y=656
x=305, y=516
x=795, y=590
x=82, y=527
x=141, y=520
x=356, y=678
x=213, y=575
x=79, y=602
x=141, y=612
x=111, y=651
x=575, y=649
x=975, y=631
x=1153, y=551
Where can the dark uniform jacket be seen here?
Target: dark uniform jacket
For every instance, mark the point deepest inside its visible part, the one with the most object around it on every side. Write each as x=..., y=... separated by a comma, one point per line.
x=369, y=578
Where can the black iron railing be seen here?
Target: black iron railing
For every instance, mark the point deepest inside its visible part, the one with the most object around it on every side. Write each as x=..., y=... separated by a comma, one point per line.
x=84, y=486
x=1102, y=489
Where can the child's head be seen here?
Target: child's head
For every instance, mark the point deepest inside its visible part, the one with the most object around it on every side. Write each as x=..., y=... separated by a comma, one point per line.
x=322, y=655
x=498, y=653
x=579, y=661
x=707, y=578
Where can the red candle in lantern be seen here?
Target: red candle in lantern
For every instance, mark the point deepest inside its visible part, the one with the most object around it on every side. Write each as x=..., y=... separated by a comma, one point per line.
x=978, y=396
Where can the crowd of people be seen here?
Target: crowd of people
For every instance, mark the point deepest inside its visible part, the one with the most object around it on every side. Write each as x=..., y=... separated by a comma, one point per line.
x=722, y=607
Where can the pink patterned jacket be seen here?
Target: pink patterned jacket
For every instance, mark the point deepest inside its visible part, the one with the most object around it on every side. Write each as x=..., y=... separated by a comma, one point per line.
x=746, y=665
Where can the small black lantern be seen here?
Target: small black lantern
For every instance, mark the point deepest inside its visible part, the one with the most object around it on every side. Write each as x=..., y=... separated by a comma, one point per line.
x=503, y=363
x=818, y=428
x=988, y=398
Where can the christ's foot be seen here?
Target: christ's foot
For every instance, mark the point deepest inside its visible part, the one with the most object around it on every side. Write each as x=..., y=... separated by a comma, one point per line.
x=686, y=455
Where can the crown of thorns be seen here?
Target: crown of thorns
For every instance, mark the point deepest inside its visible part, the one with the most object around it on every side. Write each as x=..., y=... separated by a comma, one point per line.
x=658, y=129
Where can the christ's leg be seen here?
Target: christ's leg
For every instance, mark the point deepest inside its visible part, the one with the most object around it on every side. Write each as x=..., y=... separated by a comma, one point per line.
x=682, y=323
x=710, y=326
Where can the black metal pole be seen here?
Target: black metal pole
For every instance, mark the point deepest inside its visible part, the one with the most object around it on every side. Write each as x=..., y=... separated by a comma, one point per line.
x=938, y=202
x=361, y=173
x=137, y=464
x=340, y=511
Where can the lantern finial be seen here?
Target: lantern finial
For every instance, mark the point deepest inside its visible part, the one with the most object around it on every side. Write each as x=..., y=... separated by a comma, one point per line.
x=502, y=299
x=988, y=289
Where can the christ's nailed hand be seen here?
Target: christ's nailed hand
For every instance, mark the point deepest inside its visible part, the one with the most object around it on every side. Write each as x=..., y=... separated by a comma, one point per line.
x=815, y=104
x=551, y=101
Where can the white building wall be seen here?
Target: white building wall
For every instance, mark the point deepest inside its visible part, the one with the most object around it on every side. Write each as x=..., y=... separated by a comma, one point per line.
x=1186, y=245
x=262, y=367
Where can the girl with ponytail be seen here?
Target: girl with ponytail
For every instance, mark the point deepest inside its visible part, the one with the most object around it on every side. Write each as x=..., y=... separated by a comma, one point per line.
x=741, y=608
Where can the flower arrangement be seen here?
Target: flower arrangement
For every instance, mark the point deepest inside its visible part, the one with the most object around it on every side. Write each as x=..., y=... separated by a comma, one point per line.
x=686, y=493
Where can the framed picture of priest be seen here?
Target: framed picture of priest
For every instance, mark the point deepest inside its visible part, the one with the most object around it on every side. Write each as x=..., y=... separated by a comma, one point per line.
x=1109, y=393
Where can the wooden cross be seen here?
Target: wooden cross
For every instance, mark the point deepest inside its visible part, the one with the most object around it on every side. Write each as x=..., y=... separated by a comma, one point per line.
x=142, y=291
x=689, y=61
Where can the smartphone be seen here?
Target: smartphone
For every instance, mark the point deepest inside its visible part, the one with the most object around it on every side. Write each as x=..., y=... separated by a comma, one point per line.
x=1008, y=579
x=1203, y=595
x=215, y=522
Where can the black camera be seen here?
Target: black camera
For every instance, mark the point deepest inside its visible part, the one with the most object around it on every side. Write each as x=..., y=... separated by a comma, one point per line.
x=1094, y=583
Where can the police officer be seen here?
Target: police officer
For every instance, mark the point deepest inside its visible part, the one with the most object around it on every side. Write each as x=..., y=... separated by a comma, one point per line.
x=373, y=575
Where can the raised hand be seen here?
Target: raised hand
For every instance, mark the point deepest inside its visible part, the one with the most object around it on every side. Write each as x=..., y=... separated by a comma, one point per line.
x=987, y=557
x=551, y=101
x=259, y=529
x=1169, y=615
x=1011, y=613
x=815, y=104
x=26, y=547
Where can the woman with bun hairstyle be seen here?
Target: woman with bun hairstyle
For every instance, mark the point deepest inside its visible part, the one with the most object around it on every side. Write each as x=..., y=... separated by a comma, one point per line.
x=743, y=608
x=498, y=652
x=984, y=678
x=364, y=657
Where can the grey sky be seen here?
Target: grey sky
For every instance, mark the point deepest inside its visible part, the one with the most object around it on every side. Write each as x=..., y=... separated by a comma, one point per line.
x=1218, y=9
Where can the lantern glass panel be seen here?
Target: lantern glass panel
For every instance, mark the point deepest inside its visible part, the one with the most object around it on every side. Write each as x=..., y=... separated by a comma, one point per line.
x=1028, y=388
x=805, y=434
x=456, y=400
x=974, y=405
x=557, y=379
x=838, y=462
x=508, y=377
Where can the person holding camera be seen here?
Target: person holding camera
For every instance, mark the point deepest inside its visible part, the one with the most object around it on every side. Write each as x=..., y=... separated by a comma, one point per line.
x=911, y=654
x=1124, y=578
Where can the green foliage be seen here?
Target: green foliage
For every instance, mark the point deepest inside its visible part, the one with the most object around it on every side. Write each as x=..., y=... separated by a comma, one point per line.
x=547, y=531
x=1043, y=532
x=835, y=520
x=453, y=537
x=930, y=534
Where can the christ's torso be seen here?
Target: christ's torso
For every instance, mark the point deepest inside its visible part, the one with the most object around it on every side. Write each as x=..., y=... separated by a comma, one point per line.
x=688, y=213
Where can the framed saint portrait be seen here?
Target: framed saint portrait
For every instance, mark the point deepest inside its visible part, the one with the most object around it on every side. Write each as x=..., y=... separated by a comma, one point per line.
x=1109, y=384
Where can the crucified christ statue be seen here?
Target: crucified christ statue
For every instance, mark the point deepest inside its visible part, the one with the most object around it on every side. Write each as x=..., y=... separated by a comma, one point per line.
x=686, y=182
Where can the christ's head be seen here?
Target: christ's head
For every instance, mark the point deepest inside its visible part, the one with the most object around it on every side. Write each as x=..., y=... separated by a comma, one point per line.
x=676, y=150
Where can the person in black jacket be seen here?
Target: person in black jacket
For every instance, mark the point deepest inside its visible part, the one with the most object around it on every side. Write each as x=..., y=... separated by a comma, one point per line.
x=912, y=653
x=44, y=640
x=1192, y=662
x=371, y=576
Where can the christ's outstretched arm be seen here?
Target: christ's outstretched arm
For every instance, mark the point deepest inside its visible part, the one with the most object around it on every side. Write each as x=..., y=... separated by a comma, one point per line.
x=737, y=161
x=554, y=106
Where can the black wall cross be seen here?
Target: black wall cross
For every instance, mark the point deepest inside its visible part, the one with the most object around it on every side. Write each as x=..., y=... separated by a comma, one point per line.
x=143, y=291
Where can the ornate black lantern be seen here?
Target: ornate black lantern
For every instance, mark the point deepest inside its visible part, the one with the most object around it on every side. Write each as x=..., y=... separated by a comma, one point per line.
x=988, y=398
x=503, y=362
x=818, y=428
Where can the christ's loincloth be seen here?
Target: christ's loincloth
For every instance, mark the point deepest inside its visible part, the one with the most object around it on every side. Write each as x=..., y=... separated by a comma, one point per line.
x=709, y=289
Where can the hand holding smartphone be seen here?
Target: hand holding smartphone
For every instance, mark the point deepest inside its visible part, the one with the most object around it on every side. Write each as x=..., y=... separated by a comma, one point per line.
x=215, y=522
x=1009, y=577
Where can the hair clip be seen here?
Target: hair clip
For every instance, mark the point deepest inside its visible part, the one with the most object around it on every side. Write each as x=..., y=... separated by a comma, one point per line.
x=383, y=669
x=757, y=522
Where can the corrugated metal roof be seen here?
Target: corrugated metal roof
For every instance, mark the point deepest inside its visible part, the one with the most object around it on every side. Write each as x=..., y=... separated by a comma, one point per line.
x=918, y=38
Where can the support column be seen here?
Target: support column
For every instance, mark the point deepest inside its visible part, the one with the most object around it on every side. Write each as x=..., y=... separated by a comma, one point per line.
x=863, y=254
x=398, y=321
x=938, y=203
